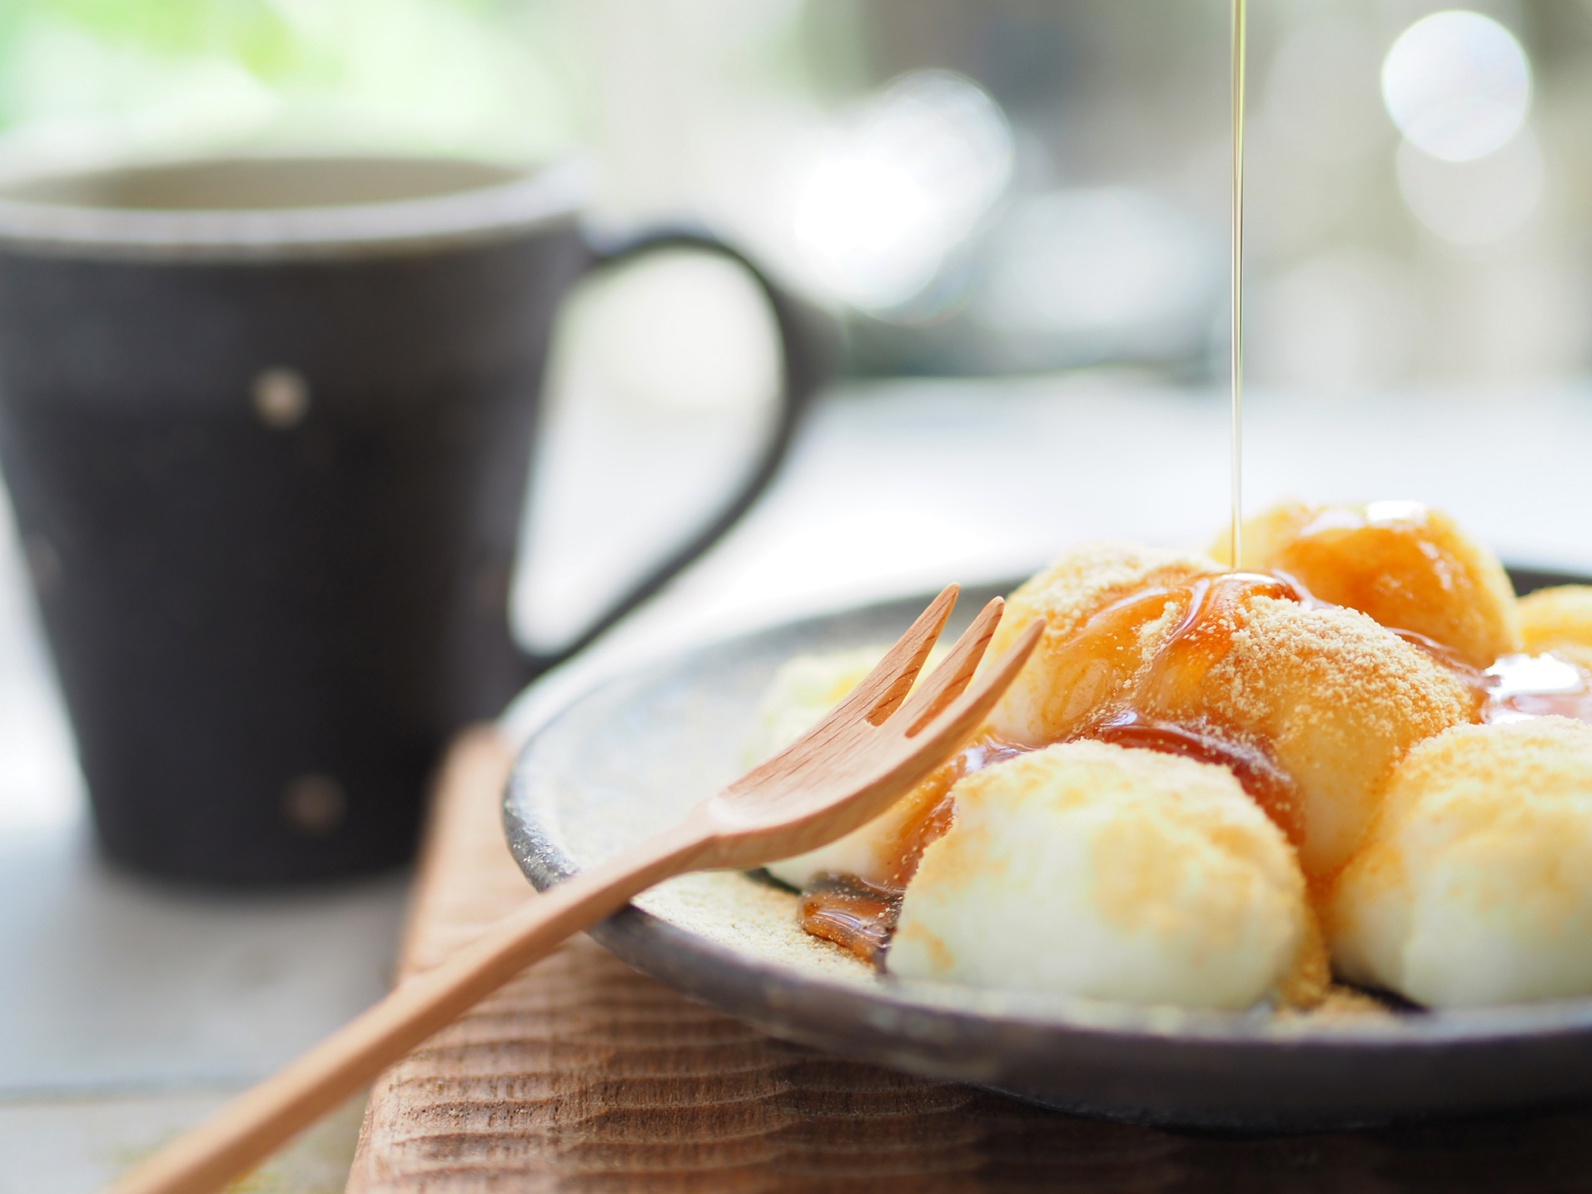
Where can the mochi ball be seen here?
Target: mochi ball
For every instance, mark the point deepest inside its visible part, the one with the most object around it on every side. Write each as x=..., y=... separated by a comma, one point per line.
x=1406, y=565
x=1335, y=700
x=1325, y=696
x=1476, y=885
x=1087, y=869
x=1559, y=620
x=1061, y=689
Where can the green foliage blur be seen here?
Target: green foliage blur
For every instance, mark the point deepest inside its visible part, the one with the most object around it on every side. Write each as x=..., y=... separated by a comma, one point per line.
x=495, y=78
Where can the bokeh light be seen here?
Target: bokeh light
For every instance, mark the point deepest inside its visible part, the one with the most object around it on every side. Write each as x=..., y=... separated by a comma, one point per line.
x=900, y=186
x=1479, y=202
x=1457, y=84
x=1117, y=267
x=1320, y=92
x=1344, y=321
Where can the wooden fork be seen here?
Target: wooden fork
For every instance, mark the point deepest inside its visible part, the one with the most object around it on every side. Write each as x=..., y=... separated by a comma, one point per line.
x=872, y=748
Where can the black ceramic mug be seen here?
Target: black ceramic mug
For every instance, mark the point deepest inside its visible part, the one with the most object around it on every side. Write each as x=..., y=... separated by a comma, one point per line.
x=266, y=426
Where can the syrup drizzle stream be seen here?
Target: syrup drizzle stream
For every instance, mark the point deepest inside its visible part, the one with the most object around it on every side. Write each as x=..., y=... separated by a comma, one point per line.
x=1240, y=21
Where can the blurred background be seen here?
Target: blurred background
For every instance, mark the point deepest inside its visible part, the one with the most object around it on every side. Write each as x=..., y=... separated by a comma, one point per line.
x=1014, y=189
x=1015, y=186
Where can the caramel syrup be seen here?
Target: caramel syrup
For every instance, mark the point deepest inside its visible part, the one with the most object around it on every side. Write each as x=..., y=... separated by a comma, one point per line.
x=856, y=916
x=1516, y=687
x=1240, y=22
x=1520, y=687
x=1164, y=709
x=1267, y=784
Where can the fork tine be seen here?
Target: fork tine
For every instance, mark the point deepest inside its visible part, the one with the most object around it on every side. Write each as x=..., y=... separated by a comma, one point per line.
x=917, y=757
x=882, y=690
x=963, y=716
x=947, y=681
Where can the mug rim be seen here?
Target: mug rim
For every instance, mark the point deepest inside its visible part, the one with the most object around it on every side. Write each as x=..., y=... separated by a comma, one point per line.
x=525, y=199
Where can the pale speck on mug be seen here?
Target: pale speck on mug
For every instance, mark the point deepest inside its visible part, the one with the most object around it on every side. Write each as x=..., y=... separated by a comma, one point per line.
x=314, y=804
x=281, y=398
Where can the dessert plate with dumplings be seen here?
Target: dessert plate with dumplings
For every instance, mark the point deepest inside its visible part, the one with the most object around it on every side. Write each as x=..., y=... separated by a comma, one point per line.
x=1303, y=844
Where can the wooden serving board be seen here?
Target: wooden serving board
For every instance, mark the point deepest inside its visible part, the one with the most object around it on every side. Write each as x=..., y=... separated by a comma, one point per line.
x=583, y=1075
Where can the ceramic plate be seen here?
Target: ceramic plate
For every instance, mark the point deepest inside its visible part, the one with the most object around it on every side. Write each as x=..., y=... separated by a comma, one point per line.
x=632, y=755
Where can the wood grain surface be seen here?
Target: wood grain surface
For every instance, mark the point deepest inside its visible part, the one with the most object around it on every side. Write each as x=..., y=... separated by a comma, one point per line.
x=585, y=1076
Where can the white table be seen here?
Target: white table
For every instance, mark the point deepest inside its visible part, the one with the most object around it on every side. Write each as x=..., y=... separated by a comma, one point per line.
x=128, y=1010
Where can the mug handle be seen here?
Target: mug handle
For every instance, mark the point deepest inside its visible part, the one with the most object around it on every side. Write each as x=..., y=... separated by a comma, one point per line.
x=804, y=367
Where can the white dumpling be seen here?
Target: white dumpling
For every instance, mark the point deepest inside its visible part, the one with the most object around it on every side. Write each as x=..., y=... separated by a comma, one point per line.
x=1086, y=869
x=1476, y=884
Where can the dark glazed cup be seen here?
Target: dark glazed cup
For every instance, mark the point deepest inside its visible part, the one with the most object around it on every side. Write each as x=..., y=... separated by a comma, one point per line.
x=266, y=426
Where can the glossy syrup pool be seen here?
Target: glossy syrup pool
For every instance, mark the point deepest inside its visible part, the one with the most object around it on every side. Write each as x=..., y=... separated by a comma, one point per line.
x=1520, y=687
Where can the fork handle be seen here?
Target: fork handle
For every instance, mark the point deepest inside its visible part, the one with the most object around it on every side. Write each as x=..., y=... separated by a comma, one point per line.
x=268, y=1115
